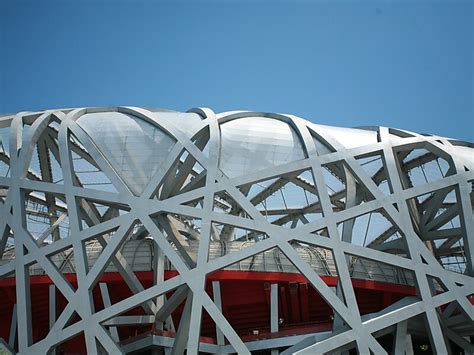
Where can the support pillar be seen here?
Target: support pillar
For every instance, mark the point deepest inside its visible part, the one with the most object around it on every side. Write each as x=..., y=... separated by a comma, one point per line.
x=52, y=311
x=159, y=277
x=13, y=328
x=104, y=291
x=400, y=344
x=216, y=293
x=274, y=313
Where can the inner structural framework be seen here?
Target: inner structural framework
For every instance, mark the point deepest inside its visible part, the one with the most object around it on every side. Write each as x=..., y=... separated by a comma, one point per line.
x=133, y=230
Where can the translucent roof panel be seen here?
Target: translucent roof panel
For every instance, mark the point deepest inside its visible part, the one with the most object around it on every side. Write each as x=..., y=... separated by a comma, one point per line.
x=255, y=143
x=187, y=122
x=347, y=137
x=133, y=147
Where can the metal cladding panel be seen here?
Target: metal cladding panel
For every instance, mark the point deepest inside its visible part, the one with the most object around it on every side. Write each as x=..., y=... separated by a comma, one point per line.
x=135, y=148
x=256, y=143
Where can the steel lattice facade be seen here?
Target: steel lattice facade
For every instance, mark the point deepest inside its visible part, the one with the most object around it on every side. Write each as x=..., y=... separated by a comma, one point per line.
x=90, y=194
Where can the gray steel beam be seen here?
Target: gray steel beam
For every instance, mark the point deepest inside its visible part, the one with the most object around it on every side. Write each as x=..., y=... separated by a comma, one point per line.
x=274, y=312
x=216, y=294
x=104, y=291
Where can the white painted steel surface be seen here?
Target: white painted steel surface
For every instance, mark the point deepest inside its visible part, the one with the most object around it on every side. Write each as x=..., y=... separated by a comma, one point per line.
x=206, y=192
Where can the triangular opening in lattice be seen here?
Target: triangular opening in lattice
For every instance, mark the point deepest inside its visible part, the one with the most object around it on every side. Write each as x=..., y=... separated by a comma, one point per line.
x=7, y=244
x=451, y=255
x=421, y=166
x=290, y=200
x=201, y=140
x=64, y=262
x=39, y=294
x=345, y=188
x=436, y=221
x=46, y=216
x=105, y=249
x=183, y=233
x=75, y=317
x=322, y=147
x=376, y=231
x=436, y=285
x=384, y=277
x=223, y=202
x=94, y=212
x=4, y=164
x=197, y=203
x=44, y=164
x=374, y=167
x=185, y=174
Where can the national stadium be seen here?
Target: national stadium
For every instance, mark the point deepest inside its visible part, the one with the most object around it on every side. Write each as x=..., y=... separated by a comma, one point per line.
x=149, y=231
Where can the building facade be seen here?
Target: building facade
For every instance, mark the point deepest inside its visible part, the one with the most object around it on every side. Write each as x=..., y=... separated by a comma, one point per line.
x=134, y=230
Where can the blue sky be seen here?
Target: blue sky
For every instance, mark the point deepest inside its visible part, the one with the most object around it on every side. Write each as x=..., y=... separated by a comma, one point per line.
x=404, y=64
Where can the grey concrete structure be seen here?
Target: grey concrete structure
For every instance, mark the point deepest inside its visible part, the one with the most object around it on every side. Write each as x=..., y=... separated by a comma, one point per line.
x=238, y=190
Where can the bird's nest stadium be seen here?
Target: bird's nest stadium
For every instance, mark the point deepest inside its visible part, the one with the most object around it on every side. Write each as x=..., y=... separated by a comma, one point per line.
x=147, y=231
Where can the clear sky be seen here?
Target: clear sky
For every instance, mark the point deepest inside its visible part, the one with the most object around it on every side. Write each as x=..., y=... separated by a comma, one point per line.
x=404, y=64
